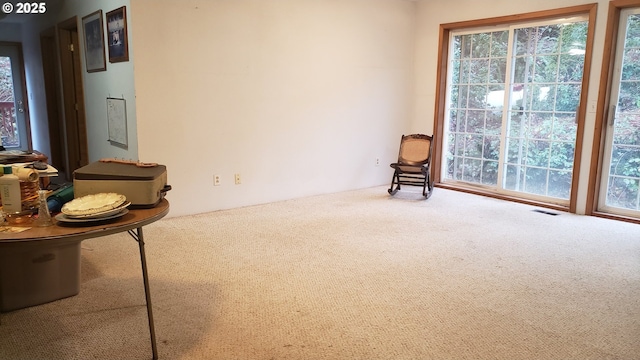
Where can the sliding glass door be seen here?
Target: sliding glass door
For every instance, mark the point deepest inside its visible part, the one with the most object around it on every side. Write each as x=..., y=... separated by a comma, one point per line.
x=620, y=182
x=513, y=94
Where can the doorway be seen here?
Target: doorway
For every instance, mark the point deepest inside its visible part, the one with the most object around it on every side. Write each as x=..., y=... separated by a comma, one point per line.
x=15, y=131
x=72, y=123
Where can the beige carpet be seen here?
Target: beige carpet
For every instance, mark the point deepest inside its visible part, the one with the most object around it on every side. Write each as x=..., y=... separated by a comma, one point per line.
x=354, y=275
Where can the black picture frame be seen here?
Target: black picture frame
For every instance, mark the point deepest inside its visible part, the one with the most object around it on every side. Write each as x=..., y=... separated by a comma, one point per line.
x=94, y=42
x=117, y=35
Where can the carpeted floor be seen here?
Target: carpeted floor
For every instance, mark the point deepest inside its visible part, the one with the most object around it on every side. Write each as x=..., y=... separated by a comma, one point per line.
x=353, y=275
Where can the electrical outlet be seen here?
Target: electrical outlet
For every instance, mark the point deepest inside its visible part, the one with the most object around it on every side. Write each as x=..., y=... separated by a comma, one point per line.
x=237, y=179
x=216, y=180
x=377, y=161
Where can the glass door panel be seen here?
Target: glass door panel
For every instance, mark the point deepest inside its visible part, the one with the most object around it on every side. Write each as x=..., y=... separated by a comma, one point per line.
x=545, y=93
x=620, y=192
x=477, y=91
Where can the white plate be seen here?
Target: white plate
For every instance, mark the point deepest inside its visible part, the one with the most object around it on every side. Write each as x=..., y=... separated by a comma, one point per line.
x=93, y=204
x=62, y=218
x=101, y=214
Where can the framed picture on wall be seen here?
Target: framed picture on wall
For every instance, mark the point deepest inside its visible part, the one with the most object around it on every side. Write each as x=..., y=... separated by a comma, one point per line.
x=117, y=35
x=94, y=42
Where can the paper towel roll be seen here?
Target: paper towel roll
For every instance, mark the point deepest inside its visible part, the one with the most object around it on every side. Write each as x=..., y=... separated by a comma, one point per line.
x=25, y=174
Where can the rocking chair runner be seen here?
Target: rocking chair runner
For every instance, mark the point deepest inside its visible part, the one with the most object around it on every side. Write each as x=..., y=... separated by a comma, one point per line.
x=414, y=164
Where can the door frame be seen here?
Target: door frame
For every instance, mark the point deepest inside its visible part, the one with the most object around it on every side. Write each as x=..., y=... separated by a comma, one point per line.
x=602, y=110
x=52, y=85
x=590, y=10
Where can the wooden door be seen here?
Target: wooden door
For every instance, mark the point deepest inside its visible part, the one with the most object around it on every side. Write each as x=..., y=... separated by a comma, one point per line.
x=75, y=125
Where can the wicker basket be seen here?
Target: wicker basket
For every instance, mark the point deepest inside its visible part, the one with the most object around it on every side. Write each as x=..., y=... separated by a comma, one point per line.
x=29, y=194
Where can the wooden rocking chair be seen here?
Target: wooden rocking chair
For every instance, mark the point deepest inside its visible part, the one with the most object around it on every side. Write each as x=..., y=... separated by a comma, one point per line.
x=414, y=164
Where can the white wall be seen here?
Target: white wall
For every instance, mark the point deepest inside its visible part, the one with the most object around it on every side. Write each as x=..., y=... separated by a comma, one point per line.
x=432, y=13
x=10, y=32
x=298, y=96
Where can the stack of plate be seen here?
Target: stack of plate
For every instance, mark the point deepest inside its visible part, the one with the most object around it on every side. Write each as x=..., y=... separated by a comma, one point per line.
x=94, y=207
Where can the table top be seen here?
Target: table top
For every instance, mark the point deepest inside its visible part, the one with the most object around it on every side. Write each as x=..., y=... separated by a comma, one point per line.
x=135, y=218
